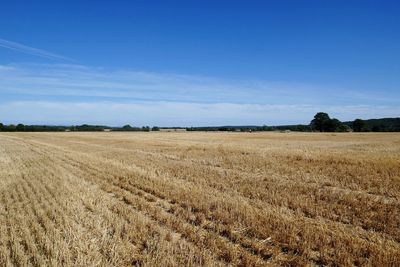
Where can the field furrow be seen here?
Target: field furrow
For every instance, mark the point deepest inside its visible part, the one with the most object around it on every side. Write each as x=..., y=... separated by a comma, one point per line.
x=199, y=199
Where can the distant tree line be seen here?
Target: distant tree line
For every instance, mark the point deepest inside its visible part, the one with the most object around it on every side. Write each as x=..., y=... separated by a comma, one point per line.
x=128, y=128
x=320, y=123
x=264, y=128
x=375, y=125
x=323, y=123
x=74, y=128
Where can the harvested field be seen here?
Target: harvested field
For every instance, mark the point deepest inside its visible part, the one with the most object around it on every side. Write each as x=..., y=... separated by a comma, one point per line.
x=189, y=199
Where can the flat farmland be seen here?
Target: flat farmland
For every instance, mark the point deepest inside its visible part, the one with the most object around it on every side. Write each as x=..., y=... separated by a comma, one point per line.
x=199, y=199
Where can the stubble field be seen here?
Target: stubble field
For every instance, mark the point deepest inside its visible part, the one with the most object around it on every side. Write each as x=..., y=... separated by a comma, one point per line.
x=189, y=199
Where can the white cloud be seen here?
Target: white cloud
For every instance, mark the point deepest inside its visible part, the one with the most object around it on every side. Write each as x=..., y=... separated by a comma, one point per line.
x=74, y=94
x=31, y=50
x=176, y=113
x=6, y=68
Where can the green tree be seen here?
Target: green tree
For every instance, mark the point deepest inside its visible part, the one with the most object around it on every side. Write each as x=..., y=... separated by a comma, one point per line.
x=127, y=127
x=359, y=125
x=344, y=128
x=323, y=123
x=20, y=127
x=320, y=122
x=10, y=128
x=333, y=125
x=1, y=127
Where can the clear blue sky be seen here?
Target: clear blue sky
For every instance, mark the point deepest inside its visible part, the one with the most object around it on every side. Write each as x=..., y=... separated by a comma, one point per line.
x=197, y=62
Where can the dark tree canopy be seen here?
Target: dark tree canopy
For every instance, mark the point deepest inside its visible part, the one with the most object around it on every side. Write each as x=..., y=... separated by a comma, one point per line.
x=359, y=125
x=333, y=125
x=20, y=127
x=11, y=128
x=320, y=122
x=323, y=123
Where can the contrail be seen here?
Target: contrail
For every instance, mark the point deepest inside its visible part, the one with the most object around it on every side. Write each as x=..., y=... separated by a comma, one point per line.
x=31, y=51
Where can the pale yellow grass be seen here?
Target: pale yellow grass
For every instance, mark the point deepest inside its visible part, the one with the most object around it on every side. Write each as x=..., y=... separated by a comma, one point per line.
x=199, y=199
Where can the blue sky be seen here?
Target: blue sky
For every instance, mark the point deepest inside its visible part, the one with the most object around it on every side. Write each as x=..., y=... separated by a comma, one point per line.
x=189, y=63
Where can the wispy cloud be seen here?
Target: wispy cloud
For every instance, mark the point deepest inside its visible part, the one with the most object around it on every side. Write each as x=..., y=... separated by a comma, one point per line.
x=32, y=51
x=163, y=113
x=66, y=81
x=71, y=94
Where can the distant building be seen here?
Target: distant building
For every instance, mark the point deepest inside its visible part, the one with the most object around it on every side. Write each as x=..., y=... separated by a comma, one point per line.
x=106, y=130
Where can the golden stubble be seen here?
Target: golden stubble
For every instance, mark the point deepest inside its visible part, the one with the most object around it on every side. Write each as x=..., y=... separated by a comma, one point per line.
x=199, y=199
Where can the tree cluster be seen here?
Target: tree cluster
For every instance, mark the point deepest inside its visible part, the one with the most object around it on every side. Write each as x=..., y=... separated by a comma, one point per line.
x=376, y=125
x=323, y=123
